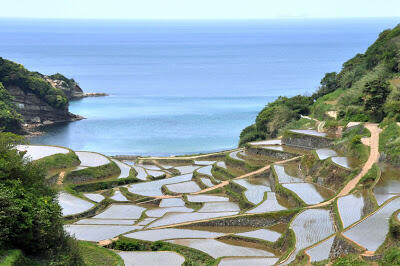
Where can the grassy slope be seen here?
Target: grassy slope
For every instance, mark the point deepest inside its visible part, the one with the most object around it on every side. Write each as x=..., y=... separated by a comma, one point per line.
x=94, y=255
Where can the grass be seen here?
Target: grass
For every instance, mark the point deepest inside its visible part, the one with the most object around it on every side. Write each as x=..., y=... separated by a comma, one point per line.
x=389, y=144
x=93, y=173
x=371, y=175
x=101, y=185
x=59, y=161
x=11, y=257
x=192, y=256
x=94, y=255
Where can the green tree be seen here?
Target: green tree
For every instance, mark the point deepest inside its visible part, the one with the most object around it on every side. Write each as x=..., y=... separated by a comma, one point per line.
x=30, y=217
x=375, y=94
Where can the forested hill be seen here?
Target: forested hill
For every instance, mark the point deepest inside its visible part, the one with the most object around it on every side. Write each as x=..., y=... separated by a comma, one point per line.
x=367, y=89
x=30, y=97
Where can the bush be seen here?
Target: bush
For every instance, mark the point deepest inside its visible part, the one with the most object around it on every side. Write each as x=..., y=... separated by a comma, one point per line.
x=391, y=257
x=30, y=217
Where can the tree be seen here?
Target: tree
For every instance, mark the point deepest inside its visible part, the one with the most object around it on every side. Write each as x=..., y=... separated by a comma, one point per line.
x=375, y=94
x=30, y=217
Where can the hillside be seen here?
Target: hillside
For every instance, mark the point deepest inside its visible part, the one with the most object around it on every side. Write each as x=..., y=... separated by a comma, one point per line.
x=32, y=98
x=367, y=89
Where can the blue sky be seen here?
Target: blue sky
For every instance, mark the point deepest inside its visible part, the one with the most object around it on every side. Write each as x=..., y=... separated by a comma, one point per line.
x=198, y=9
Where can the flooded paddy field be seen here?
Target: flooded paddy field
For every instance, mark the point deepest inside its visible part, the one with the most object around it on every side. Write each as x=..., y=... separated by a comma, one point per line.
x=371, y=232
x=229, y=206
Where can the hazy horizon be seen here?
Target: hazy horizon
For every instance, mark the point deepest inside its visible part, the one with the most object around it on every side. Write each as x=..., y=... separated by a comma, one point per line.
x=199, y=10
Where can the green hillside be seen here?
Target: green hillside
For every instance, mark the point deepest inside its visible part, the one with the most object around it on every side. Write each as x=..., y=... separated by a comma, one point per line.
x=367, y=89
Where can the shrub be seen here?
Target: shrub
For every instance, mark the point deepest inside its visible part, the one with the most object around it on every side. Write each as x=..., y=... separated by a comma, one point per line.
x=30, y=217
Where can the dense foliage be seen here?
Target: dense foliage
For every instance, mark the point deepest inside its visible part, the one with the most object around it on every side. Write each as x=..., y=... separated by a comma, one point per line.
x=13, y=74
x=275, y=116
x=10, y=119
x=30, y=217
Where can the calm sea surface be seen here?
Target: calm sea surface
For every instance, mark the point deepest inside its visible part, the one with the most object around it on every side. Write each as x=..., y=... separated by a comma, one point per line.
x=179, y=86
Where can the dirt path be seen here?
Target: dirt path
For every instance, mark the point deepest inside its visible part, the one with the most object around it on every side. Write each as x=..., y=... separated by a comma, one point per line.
x=373, y=158
x=60, y=178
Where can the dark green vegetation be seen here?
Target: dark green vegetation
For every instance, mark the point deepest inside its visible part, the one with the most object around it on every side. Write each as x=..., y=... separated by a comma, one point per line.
x=275, y=116
x=59, y=161
x=30, y=217
x=389, y=144
x=93, y=173
x=350, y=143
x=192, y=256
x=367, y=89
x=10, y=119
x=13, y=74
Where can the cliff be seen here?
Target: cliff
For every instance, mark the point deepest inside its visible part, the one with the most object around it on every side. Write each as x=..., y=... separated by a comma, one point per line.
x=30, y=99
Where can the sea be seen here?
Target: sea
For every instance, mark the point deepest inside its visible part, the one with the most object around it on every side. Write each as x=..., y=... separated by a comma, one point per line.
x=179, y=86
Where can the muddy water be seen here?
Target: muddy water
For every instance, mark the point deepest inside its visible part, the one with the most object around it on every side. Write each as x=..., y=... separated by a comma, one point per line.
x=309, y=193
x=153, y=258
x=350, y=208
x=172, y=233
x=184, y=187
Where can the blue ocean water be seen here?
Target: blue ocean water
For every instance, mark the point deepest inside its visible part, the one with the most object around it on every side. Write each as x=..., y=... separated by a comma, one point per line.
x=179, y=86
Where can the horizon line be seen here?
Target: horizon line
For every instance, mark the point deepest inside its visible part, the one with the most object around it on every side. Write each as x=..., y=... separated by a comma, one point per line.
x=200, y=19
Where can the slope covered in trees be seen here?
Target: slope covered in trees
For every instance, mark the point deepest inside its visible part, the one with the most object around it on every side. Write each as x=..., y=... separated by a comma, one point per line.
x=367, y=89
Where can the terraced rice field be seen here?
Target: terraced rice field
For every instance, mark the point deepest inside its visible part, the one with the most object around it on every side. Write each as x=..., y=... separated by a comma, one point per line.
x=38, y=152
x=235, y=156
x=178, y=218
x=98, y=232
x=321, y=251
x=206, y=198
x=388, y=185
x=155, y=173
x=141, y=173
x=173, y=202
x=371, y=232
x=72, y=205
x=91, y=159
x=310, y=227
x=225, y=206
x=283, y=177
x=267, y=142
x=125, y=169
x=325, y=153
x=306, y=191
x=204, y=162
x=184, y=187
x=188, y=209
x=222, y=165
x=263, y=234
x=159, y=212
x=350, y=208
x=94, y=196
x=118, y=196
x=206, y=170
x=187, y=169
x=206, y=181
x=256, y=261
x=218, y=249
x=254, y=193
x=342, y=161
x=269, y=205
x=121, y=211
x=153, y=188
x=172, y=233
x=154, y=258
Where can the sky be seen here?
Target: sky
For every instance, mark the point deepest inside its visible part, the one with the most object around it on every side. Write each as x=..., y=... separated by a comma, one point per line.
x=198, y=9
